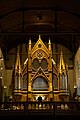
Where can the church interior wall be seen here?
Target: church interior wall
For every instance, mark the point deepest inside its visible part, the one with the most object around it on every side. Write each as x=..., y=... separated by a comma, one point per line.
x=9, y=82
x=71, y=81
x=77, y=71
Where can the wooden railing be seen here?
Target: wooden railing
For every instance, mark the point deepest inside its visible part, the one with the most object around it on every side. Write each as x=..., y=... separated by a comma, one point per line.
x=39, y=106
x=51, y=107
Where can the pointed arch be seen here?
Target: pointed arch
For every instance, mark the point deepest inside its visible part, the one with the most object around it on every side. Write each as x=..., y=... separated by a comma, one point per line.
x=40, y=84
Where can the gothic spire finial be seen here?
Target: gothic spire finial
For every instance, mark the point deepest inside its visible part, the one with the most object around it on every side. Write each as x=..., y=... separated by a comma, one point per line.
x=49, y=44
x=49, y=41
x=62, y=64
x=39, y=36
x=17, y=64
x=30, y=44
x=30, y=41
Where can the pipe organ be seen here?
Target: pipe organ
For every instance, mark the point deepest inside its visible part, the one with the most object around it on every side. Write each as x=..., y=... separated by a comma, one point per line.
x=40, y=76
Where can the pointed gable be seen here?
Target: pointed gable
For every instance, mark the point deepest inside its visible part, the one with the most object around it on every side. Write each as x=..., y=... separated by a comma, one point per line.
x=40, y=45
x=62, y=64
x=40, y=72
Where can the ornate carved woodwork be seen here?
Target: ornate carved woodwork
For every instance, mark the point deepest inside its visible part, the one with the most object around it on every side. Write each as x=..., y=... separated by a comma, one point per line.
x=40, y=76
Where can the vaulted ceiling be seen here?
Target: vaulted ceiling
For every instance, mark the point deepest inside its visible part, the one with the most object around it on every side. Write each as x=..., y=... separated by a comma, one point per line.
x=22, y=19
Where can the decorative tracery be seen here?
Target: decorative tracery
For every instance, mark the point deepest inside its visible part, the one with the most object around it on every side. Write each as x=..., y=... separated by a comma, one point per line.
x=40, y=74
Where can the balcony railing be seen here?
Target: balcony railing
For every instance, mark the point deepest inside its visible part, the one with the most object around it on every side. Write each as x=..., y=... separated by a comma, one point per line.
x=53, y=108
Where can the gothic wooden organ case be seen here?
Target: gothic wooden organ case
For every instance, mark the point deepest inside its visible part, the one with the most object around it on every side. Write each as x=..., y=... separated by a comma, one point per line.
x=39, y=71
x=40, y=76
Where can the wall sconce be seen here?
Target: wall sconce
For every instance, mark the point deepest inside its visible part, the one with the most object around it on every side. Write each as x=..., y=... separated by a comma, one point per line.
x=1, y=67
x=1, y=58
x=5, y=87
x=75, y=86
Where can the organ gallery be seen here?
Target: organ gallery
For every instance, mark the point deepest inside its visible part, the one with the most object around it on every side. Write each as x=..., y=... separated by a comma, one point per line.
x=40, y=76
